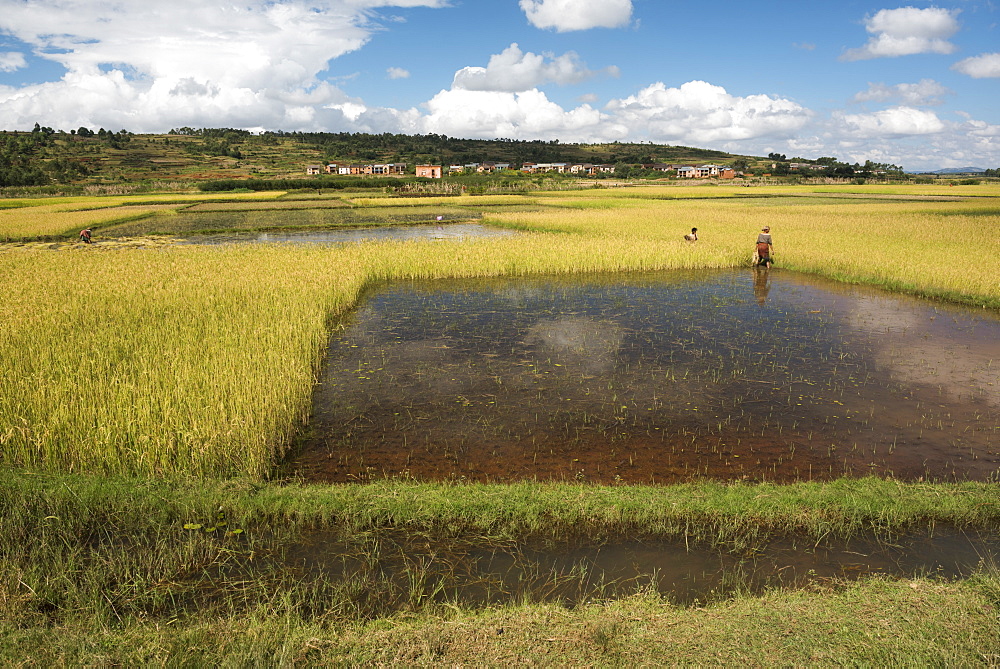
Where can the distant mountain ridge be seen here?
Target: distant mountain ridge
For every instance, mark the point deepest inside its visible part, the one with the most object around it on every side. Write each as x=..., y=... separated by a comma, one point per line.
x=959, y=170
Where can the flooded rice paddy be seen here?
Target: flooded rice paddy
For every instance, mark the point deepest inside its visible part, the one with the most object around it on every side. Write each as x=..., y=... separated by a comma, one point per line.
x=434, y=232
x=655, y=378
x=445, y=232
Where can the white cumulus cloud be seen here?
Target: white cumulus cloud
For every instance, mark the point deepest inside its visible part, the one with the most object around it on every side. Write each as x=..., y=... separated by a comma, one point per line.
x=701, y=113
x=895, y=122
x=249, y=64
x=924, y=92
x=983, y=130
x=907, y=31
x=514, y=70
x=11, y=61
x=569, y=15
x=983, y=66
x=521, y=115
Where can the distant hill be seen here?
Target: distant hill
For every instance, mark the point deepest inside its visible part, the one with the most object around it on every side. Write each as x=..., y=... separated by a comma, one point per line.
x=82, y=157
x=958, y=170
x=47, y=156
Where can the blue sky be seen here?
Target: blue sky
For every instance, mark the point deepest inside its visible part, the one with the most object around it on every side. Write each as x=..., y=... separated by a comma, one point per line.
x=912, y=84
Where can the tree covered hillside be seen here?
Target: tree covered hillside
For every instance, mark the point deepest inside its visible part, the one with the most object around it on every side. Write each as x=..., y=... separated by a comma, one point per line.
x=47, y=156
x=83, y=157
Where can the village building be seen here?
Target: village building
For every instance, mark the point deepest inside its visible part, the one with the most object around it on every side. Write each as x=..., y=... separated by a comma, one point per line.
x=705, y=172
x=429, y=171
x=389, y=168
x=587, y=169
x=489, y=166
x=345, y=169
x=533, y=168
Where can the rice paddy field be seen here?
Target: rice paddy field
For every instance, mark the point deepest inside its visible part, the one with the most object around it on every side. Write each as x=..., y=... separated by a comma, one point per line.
x=154, y=396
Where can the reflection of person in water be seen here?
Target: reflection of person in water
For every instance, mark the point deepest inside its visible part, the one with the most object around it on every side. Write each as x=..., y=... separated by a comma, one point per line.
x=760, y=285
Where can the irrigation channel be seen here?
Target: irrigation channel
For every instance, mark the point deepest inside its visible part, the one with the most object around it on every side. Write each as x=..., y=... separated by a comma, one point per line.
x=394, y=571
x=652, y=379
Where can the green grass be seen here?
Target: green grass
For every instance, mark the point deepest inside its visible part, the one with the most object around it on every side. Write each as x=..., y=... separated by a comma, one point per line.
x=736, y=514
x=101, y=571
x=875, y=622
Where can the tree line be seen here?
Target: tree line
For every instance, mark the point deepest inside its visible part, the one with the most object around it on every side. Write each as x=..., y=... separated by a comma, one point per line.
x=20, y=164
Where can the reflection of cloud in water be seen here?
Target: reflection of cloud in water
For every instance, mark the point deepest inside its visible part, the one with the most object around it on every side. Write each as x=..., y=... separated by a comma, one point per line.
x=879, y=315
x=590, y=346
x=521, y=296
x=962, y=359
x=429, y=363
x=954, y=367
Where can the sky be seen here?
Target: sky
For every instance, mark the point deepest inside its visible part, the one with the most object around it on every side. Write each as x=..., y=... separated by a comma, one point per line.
x=915, y=85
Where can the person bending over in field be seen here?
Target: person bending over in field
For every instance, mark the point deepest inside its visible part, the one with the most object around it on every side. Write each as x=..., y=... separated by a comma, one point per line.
x=764, y=247
x=85, y=236
x=693, y=237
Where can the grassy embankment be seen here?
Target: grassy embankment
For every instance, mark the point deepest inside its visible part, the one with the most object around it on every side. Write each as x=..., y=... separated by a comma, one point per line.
x=100, y=571
x=193, y=361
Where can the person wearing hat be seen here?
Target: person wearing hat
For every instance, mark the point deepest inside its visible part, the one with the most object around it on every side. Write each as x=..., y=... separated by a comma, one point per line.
x=85, y=235
x=764, y=247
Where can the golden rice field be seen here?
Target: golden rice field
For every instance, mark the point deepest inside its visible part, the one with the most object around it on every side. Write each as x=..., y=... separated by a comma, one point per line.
x=201, y=360
x=34, y=218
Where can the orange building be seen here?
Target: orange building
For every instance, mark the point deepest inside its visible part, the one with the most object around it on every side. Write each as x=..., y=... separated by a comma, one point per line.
x=429, y=171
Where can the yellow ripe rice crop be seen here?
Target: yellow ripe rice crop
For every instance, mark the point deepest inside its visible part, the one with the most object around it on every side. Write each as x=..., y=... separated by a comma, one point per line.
x=189, y=360
x=56, y=220
x=32, y=218
x=946, y=249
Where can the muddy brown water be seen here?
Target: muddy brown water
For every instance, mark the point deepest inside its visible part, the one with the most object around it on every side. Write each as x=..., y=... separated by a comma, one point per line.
x=400, y=571
x=655, y=378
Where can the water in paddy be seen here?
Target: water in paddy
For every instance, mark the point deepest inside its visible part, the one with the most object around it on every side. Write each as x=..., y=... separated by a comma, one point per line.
x=449, y=231
x=655, y=378
x=401, y=570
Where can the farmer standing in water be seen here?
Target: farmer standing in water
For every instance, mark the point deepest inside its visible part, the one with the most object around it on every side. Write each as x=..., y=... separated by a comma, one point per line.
x=764, y=247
